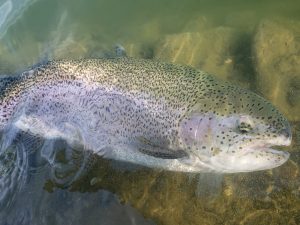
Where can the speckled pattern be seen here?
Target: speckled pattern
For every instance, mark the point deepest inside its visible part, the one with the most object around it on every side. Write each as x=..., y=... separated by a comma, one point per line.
x=161, y=113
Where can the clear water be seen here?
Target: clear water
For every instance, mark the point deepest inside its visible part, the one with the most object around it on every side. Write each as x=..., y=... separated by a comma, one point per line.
x=232, y=33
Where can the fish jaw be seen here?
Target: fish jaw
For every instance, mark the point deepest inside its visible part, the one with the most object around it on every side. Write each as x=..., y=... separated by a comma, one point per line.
x=259, y=156
x=267, y=158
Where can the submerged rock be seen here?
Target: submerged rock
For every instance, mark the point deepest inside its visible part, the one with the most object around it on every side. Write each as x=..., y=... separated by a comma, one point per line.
x=277, y=56
x=215, y=50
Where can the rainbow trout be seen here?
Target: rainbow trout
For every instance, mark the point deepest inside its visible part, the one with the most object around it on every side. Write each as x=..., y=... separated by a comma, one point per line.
x=149, y=113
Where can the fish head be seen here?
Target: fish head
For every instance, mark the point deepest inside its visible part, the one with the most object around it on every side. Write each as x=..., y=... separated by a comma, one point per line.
x=234, y=130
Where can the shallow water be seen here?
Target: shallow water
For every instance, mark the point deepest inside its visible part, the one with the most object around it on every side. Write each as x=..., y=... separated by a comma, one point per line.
x=254, y=44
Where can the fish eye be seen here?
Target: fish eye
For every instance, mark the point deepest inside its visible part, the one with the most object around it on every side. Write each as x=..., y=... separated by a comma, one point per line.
x=244, y=128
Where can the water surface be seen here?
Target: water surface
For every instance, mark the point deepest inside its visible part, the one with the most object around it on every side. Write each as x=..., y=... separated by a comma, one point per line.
x=254, y=44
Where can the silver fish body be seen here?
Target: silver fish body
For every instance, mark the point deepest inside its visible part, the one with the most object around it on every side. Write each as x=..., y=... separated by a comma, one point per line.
x=149, y=113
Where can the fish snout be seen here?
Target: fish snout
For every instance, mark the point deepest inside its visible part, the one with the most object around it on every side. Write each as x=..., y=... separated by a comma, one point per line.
x=287, y=132
x=286, y=135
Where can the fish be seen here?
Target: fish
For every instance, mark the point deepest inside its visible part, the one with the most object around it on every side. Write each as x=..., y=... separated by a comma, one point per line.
x=146, y=112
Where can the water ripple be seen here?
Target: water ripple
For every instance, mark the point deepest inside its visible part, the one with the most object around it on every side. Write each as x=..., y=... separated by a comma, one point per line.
x=13, y=167
x=10, y=12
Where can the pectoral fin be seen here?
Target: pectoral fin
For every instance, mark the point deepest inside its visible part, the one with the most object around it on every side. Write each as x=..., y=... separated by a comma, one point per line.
x=164, y=152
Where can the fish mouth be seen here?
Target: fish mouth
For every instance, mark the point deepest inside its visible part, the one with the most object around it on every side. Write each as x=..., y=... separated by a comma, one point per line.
x=260, y=156
x=283, y=138
x=270, y=150
x=273, y=143
x=273, y=150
